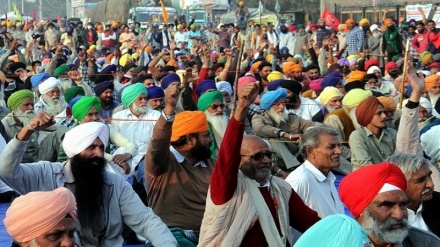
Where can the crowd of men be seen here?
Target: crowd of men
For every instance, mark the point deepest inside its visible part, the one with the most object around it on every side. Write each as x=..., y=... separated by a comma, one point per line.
x=233, y=136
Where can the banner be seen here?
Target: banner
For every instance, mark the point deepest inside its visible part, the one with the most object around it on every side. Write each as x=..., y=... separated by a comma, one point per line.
x=330, y=19
x=164, y=13
x=17, y=13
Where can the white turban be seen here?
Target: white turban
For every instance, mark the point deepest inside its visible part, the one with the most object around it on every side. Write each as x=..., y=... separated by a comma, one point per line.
x=430, y=141
x=372, y=69
x=48, y=85
x=374, y=27
x=82, y=136
x=426, y=104
x=224, y=86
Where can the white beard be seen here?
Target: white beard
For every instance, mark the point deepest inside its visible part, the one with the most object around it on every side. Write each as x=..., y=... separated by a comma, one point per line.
x=54, y=106
x=24, y=117
x=218, y=125
x=140, y=109
x=382, y=232
x=277, y=117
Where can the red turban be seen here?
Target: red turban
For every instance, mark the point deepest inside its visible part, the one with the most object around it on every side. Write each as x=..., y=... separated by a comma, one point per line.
x=358, y=189
x=391, y=65
x=370, y=62
x=188, y=122
x=366, y=110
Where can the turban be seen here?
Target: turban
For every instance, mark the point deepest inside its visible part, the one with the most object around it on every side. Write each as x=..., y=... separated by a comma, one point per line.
x=434, y=65
x=355, y=97
x=124, y=59
x=35, y=213
x=213, y=55
x=343, y=61
x=38, y=78
x=315, y=85
x=17, y=65
x=425, y=57
x=333, y=67
x=431, y=80
x=301, y=26
x=224, y=86
x=293, y=86
x=155, y=92
x=132, y=92
x=207, y=99
x=334, y=230
x=364, y=21
x=204, y=86
x=49, y=84
x=328, y=93
x=374, y=27
x=426, y=104
x=356, y=75
x=108, y=69
x=430, y=142
x=372, y=69
x=72, y=92
x=128, y=66
x=188, y=122
x=388, y=103
x=245, y=80
x=271, y=97
x=350, y=21
x=391, y=65
x=370, y=63
x=82, y=136
x=359, y=188
x=274, y=85
x=73, y=101
x=366, y=110
x=313, y=27
x=61, y=70
x=255, y=65
x=180, y=26
x=292, y=28
x=331, y=80
x=82, y=107
x=168, y=79
x=290, y=67
x=388, y=21
x=274, y=75
x=15, y=100
x=101, y=87
x=173, y=63
x=283, y=49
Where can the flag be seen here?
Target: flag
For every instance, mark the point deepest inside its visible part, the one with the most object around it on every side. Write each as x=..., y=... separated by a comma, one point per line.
x=330, y=19
x=277, y=7
x=260, y=7
x=164, y=13
x=17, y=13
x=34, y=15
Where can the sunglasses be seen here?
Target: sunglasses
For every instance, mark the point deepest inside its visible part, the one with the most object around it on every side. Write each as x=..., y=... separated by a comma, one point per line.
x=260, y=155
x=214, y=107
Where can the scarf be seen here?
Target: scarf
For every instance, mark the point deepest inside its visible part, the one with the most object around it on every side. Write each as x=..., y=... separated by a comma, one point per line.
x=391, y=37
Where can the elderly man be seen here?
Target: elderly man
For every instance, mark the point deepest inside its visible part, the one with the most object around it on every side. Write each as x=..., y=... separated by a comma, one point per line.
x=313, y=180
x=275, y=123
x=155, y=98
x=212, y=104
x=50, y=100
x=137, y=122
x=331, y=99
x=423, y=200
x=43, y=219
x=104, y=91
x=295, y=104
x=383, y=86
x=375, y=195
x=373, y=142
x=105, y=201
x=250, y=206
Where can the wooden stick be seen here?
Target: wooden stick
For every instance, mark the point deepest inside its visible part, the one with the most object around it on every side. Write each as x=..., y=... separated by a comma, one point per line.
x=405, y=68
x=237, y=71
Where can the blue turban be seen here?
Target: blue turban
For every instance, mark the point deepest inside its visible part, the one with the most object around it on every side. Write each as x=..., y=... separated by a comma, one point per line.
x=155, y=92
x=284, y=49
x=204, y=86
x=331, y=79
x=271, y=97
x=168, y=79
x=274, y=85
x=38, y=78
x=101, y=87
x=132, y=92
x=108, y=69
x=73, y=101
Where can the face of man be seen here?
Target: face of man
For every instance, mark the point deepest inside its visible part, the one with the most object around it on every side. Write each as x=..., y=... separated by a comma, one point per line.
x=435, y=89
x=371, y=84
x=431, y=26
x=297, y=75
x=201, y=149
x=350, y=26
x=327, y=154
x=278, y=111
x=313, y=73
x=92, y=116
x=335, y=102
x=156, y=104
x=379, y=119
x=411, y=30
x=54, y=94
x=106, y=97
x=256, y=159
x=321, y=23
x=292, y=101
x=25, y=112
x=420, y=28
x=386, y=218
x=139, y=106
x=62, y=234
x=420, y=186
x=216, y=108
x=423, y=114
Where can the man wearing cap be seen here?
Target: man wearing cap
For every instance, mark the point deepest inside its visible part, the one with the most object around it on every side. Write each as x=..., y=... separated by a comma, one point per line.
x=155, y=98
x=104, y=91
x=138, y=120
x=50, y=100
x=275, y=123
x=178, y=167
x=105, y=201
x=43, y=219
x=375, y=195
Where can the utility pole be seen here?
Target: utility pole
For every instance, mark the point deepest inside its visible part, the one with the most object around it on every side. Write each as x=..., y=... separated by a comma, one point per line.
x=40, y=10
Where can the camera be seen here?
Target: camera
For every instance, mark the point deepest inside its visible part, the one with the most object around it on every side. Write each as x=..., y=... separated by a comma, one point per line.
x=35, y=36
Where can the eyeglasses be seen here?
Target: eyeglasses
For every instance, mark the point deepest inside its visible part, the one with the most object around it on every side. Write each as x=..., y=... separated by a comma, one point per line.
x=214, y=107
x=260, y=155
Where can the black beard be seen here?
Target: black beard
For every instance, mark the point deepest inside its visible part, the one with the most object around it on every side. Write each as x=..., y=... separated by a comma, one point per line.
x=391, y=28
x=293, y=102
x=365, y=28
x=201, y=152
x=394, y=74
x=283, y=30
x=89, y=184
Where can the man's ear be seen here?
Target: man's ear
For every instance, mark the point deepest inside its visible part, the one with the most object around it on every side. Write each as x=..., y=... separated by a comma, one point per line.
x=309, y=151
x=190, y=139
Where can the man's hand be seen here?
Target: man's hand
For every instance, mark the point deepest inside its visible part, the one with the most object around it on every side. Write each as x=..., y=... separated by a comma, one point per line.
x=74, y=75
x=246, y=96
x=41, y=121
x=172, y=45
x=121, y=161
x=417, y=83
x=171, y=98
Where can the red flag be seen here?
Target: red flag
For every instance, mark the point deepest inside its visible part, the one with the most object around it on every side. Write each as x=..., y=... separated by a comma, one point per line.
x=34, y=15
x=330, y=19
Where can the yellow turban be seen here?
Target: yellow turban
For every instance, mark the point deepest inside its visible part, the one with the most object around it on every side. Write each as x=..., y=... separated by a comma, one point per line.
x=125, y=59
x=426, y=57
x=328, y=93
x=274, y=75
x=387, y=102
x=356, y=75
x=363, y=22
x=355, y=96
x=188, y=122
x=290, y=67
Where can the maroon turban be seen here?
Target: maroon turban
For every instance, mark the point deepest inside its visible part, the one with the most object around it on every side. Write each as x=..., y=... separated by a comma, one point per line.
x=366, y=110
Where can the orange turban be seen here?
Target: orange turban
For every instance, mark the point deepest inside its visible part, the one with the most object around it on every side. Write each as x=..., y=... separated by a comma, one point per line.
x=388, y=21
x=350, y=21
x=148, y=49
x=359, y=188
x=356, y=75
x=290, y=67
x=255, y=65
x=430, y=81
x=387, y=102
x=173, y=63
x=35, y=213
x=366, y=110
x=188, y=122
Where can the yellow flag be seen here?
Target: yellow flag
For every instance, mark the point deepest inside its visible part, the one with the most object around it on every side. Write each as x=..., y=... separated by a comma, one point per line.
x=17, y=13
x=164, y=13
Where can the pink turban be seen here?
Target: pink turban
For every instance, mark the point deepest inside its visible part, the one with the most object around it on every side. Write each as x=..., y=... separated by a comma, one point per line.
x=245, y=80
x=35, y=213
x=315, y=85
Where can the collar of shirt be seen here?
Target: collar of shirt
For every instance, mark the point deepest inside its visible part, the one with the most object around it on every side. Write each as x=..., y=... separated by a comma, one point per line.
x=68, y=176
x=266, y=183
x=180, y=158
x=317, y=173
x=369, y=133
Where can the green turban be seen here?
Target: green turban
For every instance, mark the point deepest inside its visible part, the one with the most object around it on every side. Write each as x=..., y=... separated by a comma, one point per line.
x=18, y=97
x=132, y=92
x=81, y=108
x=72, y=92
x=61, y=70
x=207, y=99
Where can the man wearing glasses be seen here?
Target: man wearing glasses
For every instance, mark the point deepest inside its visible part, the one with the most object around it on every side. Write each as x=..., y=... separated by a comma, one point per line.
x=246, y=205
